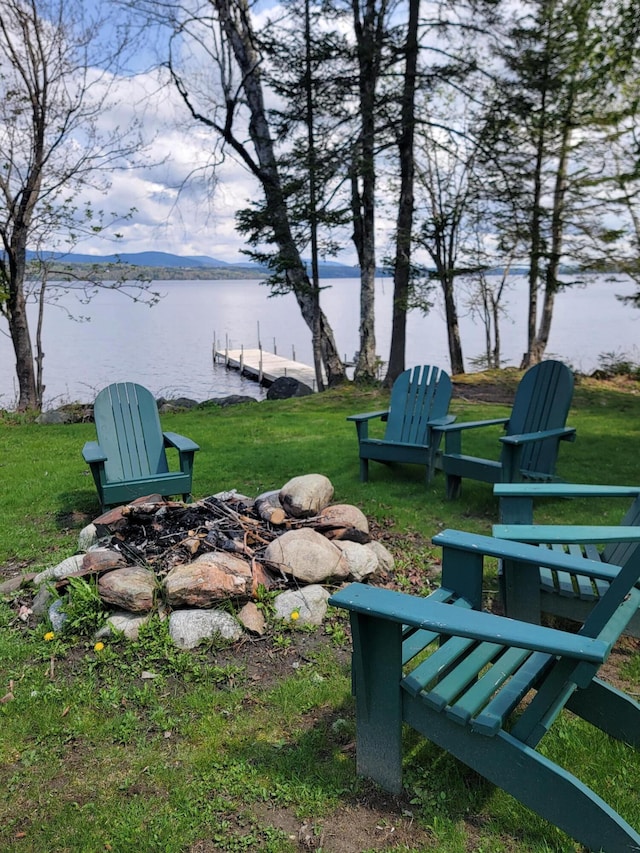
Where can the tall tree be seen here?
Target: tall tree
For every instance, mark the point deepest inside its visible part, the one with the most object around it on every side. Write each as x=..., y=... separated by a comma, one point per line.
x=404, y=222
x=222, y=33
x=55, y=79
x=563, y=65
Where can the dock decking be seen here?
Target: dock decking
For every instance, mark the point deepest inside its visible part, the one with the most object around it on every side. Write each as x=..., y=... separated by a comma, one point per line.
x=265, y=367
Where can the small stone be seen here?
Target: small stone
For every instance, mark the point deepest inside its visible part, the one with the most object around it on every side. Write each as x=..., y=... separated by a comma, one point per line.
x=68, y=567
x=87, y=537
x=122, y=622
x=252, y=618
x=57, y=616
x=308, y=604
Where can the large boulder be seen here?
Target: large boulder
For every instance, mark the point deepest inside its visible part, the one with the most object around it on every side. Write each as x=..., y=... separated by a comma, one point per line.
x=343, y=521
x=307, y=495
x=362, y=561
x=308, y=556
x=131, y=588
x=188, y=628
x=208, y=579
x=286, y=386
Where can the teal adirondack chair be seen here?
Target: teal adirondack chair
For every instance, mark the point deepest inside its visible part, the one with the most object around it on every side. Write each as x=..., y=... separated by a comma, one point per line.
x=570, y=595
x=487, y=688
x=419, y=404
x=129, y=460
x=533, y=433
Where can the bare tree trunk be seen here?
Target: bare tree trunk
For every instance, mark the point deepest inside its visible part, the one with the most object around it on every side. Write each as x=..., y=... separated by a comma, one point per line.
x=404, y=224
x=235, y=20
x=557, y=234
x=368, y=32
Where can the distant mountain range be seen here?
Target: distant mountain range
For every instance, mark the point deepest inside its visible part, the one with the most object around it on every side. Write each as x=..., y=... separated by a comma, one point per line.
x=166, y=260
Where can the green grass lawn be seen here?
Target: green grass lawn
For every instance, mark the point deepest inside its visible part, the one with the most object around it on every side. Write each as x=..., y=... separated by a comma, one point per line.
x=141, y=747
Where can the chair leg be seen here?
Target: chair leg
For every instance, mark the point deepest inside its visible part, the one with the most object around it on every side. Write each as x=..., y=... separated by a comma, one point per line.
x=376, y=672
x=608, y=709
x=534, y=780
x=454, y=486
x=364, y=470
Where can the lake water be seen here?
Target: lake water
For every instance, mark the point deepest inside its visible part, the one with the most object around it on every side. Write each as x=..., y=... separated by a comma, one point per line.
x=168, y=348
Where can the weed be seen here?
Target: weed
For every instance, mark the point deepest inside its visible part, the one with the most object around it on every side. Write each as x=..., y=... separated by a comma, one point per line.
x=83, y=609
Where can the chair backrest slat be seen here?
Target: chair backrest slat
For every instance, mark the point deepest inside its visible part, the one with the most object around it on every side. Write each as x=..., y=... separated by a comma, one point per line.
x=129, y=431
x=418, y=396
x=542, y=402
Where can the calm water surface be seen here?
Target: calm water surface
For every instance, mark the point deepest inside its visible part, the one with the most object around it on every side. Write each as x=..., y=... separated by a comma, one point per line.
x=169, y=347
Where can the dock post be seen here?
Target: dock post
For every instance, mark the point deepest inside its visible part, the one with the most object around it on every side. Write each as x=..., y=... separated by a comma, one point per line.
x=241, y=359
x=260, y=363
x=226, y=350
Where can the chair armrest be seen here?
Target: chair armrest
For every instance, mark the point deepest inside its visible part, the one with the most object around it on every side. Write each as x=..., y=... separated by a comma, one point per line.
x=520, y=552
x=182, y=444
x=563, y=490
x=438, y=423
x=560, y=534
x=566, y=433
x=93, y=453
x=430, y=615
x=367, y=416
x=460, y=425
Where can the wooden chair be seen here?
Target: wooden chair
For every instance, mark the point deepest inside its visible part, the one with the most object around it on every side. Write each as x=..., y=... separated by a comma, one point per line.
x=527, y=595
x=533, y=433
x=129, y=460
x=487, y=688
x=419, y=403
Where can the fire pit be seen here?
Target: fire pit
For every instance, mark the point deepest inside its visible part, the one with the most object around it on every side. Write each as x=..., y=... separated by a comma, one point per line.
x=195, y=562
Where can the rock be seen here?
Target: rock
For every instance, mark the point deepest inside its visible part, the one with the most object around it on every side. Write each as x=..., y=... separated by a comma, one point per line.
x=57, y=616
x=343, y=521
x=70, y=566
x=55, y=416
x=42, y=600
x=188, y=628
x=102, y=560
x=306, y=606
x=179, y=403
x=285, y=387
x=122, y=622
x=87, y=537
x=230, y=400
x=208, y=579
x=11, y=585
x=386, y=560
x=308, y=556
x=361, y=560
x=132, y=588
x=307, y=495
x=252, y=618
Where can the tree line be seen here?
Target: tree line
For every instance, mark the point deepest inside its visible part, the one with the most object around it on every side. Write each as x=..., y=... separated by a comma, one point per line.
x=492, y=135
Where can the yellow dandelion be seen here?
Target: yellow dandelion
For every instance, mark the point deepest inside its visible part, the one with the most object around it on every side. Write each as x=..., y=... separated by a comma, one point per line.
x=294, y=615
x=49, y=636
x=98, y=647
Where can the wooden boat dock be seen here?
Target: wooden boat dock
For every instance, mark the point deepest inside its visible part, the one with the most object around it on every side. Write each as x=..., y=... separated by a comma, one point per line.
x=264, y=367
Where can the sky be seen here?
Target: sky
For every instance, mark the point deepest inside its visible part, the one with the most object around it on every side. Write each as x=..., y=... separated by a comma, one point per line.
x=178, y=209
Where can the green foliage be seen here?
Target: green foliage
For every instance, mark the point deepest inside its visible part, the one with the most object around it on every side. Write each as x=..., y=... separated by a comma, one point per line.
x=83, y=608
